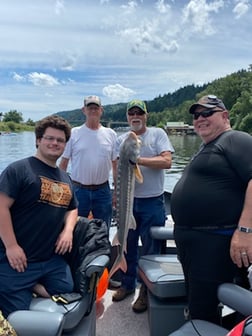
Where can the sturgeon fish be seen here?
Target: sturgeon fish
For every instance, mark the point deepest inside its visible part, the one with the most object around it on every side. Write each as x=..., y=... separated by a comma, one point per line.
x=127, y=172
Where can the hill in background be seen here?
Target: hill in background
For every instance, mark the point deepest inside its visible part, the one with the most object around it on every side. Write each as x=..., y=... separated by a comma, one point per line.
x=235, y=90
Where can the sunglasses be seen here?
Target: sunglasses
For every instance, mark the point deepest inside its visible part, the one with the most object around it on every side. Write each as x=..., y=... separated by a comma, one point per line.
x=136, y=112
x=204, y=114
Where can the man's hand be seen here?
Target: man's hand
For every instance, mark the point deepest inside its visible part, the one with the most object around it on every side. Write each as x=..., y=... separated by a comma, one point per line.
x=241, y=248
x=16, y=257
x=64, y=242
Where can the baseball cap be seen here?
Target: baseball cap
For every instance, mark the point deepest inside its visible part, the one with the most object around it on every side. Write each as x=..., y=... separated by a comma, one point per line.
x=92, y=100
x=137, y=103
x=209, y=101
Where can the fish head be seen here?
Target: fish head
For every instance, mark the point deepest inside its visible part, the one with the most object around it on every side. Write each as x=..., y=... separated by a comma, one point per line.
x=131, y=148
x=130, y=152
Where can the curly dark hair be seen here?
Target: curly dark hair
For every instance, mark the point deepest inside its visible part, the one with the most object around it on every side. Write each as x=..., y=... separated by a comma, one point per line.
x=54, y=122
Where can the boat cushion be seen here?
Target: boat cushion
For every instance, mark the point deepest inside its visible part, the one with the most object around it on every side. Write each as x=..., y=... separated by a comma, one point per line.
x=163, y=275
x=32, y=323
x=73, y=312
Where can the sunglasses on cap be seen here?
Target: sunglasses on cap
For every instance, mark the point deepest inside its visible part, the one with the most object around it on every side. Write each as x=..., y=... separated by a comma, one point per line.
x=136, y=112
x=213, y=99
x=204, y=114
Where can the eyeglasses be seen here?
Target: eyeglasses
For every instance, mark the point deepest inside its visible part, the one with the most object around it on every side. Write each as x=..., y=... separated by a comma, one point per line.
x=204, y=114
x=50, y=138
x=136, y=112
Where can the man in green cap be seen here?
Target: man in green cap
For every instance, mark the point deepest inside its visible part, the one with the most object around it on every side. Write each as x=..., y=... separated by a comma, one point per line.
x=148, y=208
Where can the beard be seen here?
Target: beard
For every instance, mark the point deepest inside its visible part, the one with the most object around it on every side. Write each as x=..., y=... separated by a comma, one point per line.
x=136, y=125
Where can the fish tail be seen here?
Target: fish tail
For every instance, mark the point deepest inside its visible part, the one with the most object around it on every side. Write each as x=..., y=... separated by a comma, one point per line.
x=120, y=263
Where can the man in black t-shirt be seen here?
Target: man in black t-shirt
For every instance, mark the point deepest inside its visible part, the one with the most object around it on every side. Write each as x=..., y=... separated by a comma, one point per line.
x=38, y=213
x=211, y=206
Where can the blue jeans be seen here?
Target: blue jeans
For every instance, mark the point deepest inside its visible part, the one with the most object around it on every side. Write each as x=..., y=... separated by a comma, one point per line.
x=148, y=212
x=16, y=287
x=98, y=201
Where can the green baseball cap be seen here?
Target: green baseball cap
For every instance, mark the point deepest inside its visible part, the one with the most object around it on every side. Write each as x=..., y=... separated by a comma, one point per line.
x=137, y=103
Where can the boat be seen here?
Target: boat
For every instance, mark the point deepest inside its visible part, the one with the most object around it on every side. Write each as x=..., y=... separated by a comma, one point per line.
x=8, y=133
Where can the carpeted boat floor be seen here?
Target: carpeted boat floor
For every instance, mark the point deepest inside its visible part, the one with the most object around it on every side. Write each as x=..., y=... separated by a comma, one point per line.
x=118, y=318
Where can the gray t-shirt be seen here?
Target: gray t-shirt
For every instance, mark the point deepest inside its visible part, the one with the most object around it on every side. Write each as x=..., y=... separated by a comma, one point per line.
x=154, y=142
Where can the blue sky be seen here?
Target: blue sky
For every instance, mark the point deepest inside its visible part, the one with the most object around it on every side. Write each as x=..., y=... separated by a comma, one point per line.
x=55, y=52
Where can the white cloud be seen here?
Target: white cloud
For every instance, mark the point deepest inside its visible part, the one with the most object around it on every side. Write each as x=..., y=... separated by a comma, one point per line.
x=162, y=6
x=59, y=7
x=198, y=14
x=69, y=63
x=241, y=8
x=117, y=93
x=130, y=7
x=37, y=79
x=18, y=77
x=42, y=79
x=147, y=38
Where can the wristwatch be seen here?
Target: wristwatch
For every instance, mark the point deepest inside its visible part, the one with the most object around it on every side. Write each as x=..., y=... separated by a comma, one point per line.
x=244, y=229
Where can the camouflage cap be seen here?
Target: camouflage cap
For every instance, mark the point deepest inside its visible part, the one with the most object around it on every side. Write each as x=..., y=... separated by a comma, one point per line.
x=137, y=103
x=209, y=101
x=92, y=100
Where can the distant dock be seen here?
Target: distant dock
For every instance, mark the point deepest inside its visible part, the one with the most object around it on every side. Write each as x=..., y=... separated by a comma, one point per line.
x=179, y=128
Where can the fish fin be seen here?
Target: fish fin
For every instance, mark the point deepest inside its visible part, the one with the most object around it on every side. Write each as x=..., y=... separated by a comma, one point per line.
x=138, y=174
x=120, y=263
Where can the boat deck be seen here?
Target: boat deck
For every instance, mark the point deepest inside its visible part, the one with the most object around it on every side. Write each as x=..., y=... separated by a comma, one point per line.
x=118, y=318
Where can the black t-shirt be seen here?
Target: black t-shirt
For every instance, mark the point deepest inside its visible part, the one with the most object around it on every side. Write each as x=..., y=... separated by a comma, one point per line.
x=42, y=195
x=211, y=191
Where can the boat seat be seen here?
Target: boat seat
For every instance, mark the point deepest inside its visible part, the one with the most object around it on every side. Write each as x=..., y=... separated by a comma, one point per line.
x=198, y=327
x=73, y=312
x=34, y=323
x=163, y=276
x=232, y=296
x=50, y=318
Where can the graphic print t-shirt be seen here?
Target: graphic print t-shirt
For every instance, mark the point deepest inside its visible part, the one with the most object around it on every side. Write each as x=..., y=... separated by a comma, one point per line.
x=42, y=195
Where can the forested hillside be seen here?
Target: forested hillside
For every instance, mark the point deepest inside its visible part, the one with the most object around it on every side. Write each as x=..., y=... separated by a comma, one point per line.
x=235, y=90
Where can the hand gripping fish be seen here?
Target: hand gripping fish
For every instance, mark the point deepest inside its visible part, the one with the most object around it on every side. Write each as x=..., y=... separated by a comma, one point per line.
x=127, y=172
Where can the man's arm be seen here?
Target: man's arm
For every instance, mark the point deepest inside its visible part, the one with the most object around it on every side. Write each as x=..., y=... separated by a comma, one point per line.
x=64, y=163
x=241, y=243
x=161, y=161
x=65, y=240
x=14, y=252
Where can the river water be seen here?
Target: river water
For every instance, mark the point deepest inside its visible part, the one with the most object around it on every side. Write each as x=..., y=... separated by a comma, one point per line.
x=14, y=147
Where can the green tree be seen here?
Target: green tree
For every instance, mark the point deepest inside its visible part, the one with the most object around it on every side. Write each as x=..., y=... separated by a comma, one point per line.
x=240, y=113
x=11, y=126
x=246, y=124
x=14, y=116
x=30, y=122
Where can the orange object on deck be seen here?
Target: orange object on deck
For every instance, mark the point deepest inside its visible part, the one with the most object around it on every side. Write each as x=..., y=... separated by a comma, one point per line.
x=102, y=285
